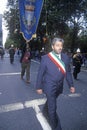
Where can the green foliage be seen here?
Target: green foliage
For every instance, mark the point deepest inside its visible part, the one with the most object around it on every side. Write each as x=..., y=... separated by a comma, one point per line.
x=64, y=18
x=83, y=43
x=8, y=43
x=59, y=13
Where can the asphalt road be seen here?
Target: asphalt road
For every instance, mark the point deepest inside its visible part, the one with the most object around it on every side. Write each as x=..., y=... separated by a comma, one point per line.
x=20, y=105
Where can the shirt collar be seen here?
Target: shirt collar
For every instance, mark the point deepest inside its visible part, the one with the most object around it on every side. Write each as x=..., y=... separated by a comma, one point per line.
x=59, y=55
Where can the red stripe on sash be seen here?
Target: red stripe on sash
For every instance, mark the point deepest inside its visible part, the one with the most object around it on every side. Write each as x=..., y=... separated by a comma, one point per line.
x=56, y=63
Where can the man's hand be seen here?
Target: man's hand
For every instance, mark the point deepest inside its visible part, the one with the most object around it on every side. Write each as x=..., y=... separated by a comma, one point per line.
x=39, y=91
x=72, y=90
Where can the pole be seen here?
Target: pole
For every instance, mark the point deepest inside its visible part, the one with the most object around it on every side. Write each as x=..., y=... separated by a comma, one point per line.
x=46, y=16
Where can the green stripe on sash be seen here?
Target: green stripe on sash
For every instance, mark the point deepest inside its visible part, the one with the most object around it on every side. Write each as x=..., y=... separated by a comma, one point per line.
x=58, y=58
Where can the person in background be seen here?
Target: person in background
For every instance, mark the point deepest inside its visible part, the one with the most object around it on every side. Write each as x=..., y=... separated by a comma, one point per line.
x=2, y=52
x=86, y=62
x=25, y=64
x=12, y=53
x=77, y=62
x=54, y=67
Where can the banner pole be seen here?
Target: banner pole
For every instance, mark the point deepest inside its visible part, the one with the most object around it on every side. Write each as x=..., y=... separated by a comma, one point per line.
x=46, y=16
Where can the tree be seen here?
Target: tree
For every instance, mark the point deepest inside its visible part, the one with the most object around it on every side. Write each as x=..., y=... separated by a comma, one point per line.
x=58, y=17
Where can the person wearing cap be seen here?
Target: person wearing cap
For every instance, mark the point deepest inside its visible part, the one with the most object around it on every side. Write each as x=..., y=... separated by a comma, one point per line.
x=77, y=62
x=54, y=67
x=12, y=53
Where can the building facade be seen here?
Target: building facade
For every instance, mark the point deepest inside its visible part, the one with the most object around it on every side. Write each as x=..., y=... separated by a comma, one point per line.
x=1, y=30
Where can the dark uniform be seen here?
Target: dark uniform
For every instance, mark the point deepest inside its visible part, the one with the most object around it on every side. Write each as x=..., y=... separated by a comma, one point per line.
x=11, y=53
x=50, y=79
x=77, y=62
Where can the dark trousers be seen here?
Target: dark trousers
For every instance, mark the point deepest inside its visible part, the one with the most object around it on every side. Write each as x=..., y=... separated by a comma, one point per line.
x=49, y=111
x=75, y=72
x=25, y=67
x=11, y=59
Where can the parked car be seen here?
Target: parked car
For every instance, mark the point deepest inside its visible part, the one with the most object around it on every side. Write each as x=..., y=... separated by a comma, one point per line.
x=2, y=52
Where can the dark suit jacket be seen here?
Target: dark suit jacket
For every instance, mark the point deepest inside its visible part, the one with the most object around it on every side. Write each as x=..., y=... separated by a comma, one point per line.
x=50, y=78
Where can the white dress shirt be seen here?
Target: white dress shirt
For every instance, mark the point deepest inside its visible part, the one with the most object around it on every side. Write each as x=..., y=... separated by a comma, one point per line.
x=59, y=55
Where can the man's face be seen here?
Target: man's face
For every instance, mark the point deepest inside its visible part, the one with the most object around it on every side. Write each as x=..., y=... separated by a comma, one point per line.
x=57, y=47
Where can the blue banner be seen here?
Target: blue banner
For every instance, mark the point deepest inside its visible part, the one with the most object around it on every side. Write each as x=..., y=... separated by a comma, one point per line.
x=30, y=11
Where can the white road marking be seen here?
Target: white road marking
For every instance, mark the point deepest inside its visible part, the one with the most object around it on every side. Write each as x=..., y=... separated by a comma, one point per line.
x=35, y=61
x=16, y=73
x=5, y=74
x=10, y=74
x=74, y=95
x=11, y=107
x=18, y=106
x=34, y=104
x=42, y=119
x=84, y=70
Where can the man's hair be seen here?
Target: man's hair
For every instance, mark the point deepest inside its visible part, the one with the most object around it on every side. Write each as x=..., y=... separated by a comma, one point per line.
x=57, y=40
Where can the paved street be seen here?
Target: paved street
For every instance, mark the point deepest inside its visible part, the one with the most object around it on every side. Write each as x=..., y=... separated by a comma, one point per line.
x=20, y=105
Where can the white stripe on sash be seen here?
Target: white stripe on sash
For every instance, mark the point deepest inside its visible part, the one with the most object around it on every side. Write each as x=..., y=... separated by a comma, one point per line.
x=58, y=61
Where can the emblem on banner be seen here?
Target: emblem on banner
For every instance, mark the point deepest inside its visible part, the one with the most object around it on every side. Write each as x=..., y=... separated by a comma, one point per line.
x=29, y=19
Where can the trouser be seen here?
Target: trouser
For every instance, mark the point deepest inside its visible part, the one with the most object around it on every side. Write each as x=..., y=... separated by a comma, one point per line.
x=75, y=72
x=25, y=67
x=50, y=113
x=11, y=59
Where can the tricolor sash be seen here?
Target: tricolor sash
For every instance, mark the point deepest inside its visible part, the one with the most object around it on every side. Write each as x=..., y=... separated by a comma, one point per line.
x=58, y=62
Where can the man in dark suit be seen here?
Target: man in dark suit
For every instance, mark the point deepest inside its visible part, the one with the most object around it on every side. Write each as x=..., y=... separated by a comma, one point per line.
x=53, y=68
